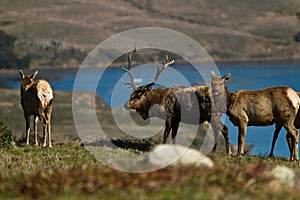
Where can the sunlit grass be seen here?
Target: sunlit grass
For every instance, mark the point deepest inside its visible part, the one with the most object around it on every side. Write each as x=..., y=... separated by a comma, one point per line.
x=69, y=171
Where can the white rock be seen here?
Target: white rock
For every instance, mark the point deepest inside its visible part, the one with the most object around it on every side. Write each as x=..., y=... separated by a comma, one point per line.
x=169, y=154
x=284, y=175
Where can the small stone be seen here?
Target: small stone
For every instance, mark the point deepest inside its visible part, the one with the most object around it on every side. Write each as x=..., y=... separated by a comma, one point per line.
x=284, y=174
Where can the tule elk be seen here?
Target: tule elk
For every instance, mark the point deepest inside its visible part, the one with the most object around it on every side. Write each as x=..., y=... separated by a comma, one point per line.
x=36, y=100
x=276, y=105
x=191, y=105
x=288, y=137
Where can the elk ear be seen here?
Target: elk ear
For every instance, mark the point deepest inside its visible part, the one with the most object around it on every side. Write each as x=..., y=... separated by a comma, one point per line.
x=212, y=74
x=34, y=75
x=21, y=73
x=226, y=77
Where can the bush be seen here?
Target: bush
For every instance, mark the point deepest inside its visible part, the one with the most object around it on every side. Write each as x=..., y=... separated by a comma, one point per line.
x=298, y=15
x=6, y=136
x=297, y=37
x=24, y=62
x=8, y=58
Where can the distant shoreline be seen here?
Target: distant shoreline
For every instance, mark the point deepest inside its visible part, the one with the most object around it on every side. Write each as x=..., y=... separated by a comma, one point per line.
x=53, y=74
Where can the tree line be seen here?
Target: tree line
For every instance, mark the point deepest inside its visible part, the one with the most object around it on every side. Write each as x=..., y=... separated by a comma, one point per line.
x=8, y=58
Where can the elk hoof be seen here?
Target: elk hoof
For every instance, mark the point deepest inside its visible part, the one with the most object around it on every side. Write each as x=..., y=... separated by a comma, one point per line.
x=296, y=159
x=229, y=154
x=239, y=155
x=271, y=156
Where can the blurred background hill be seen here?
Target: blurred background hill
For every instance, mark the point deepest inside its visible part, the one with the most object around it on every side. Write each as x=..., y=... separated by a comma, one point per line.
x=60, y=33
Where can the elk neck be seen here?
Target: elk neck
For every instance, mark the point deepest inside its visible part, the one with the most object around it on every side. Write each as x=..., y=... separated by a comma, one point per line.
x=223, y=101
x=228, y=98
x=157, y=96
x=27, y=87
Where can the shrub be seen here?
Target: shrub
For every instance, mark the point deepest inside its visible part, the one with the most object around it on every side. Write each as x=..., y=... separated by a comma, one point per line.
x=297, y=37
x=24, y=62
x=298, y=15
x=6, y=136
x=8, y=57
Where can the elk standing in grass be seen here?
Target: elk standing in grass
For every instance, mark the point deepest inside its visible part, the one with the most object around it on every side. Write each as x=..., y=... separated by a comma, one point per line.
x=288, y=137
x=36, y=100
x=264, y=107
x=191, y=105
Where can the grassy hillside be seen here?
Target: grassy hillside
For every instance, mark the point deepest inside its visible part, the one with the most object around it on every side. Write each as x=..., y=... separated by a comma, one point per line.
x=229, y=30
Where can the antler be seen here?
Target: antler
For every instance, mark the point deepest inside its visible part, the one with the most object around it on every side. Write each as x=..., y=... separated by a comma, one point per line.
x=129, y=57
x=166, y=63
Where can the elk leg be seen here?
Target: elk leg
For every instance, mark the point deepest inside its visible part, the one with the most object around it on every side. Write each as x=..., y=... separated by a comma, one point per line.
x=215, y=125
x=216, y=138
x=27, y=118
x=48, y=118
x=241, y=139
x=174, y=131
x=296, y=140
x=275, y=136
x=167, y=130
x=44, y=132
x=290, y=142
x=35, y=122
x=227, y=140
x=216, y=145
x=292, y=138
x=49, y=133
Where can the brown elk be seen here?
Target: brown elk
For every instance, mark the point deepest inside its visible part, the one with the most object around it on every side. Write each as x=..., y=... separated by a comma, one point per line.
x=36, y=100
x=288, y=137
x=276, y=105
x=173, y=101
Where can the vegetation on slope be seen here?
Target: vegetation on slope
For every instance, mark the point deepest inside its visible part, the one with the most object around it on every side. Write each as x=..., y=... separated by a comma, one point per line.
x=229, y=30
x=69, y=171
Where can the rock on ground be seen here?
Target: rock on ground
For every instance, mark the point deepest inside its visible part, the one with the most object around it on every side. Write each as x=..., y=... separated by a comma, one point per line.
x=284, y=174
x=169, y=154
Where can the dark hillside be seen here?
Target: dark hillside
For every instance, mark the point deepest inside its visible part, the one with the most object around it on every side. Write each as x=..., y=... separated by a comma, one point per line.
x=229, y=30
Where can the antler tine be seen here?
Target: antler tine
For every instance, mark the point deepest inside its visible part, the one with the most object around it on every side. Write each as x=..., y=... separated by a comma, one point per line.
x=166, y=63
x=131, y=84
x=129, y=58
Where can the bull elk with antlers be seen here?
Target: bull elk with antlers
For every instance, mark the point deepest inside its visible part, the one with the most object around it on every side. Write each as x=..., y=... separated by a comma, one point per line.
x=191, y=105
x=36, y=100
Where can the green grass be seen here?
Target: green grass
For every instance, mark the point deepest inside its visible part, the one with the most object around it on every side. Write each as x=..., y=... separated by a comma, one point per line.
x=29, y=159
x=69, y=171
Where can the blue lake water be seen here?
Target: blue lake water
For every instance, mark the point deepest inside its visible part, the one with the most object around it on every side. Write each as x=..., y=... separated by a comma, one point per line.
x=243, y=76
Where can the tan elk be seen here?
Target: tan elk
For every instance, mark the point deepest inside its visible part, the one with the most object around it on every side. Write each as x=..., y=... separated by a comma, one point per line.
x=288, y=137
x=36, y=100
x=265, y=107
x=191, y=105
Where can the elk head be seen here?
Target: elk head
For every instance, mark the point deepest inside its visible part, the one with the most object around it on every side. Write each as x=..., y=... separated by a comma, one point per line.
x=219, y=91
x=139, y=99
x=27, y=80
